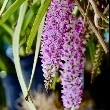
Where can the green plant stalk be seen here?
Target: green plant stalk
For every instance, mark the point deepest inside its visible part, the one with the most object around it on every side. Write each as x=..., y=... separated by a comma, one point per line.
x=16, y=38
x=55, y=81
x=11, y=10
x=42, y=10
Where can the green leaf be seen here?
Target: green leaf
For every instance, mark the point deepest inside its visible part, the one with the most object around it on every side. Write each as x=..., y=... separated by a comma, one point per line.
x=42, y=10
x=3, y=6
x=28, y=21
x=11, y=10
x=16, y=38
x=29, y=15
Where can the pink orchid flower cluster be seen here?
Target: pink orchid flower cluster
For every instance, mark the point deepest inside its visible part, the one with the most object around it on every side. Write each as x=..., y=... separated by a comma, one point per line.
x=62, y=51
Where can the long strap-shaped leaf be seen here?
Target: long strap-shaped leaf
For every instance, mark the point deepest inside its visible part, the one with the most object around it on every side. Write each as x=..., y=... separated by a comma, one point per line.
x=11, y=10
x=16, y=53
x=38, y=19
x=40, y=30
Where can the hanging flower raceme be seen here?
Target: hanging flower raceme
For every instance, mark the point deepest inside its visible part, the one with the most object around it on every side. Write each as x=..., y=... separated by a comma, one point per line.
x=62, y=50
x=73, y=65
x=51, y=42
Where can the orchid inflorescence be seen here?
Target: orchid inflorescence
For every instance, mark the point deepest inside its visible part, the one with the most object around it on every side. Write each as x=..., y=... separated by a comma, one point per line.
x=62, y=51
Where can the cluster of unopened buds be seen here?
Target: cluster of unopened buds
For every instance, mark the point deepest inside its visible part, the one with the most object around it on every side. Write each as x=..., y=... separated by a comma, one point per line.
x=97, y=61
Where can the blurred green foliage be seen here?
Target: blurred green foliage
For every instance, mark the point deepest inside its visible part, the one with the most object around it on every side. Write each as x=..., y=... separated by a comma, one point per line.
x=6, y=32
x=7, y=29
